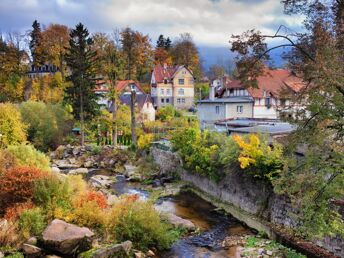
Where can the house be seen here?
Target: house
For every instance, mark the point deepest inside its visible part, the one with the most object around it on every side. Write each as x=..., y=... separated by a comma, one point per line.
x=143, y=101
x=229, y=99
x=172, y=85
x=43, y=70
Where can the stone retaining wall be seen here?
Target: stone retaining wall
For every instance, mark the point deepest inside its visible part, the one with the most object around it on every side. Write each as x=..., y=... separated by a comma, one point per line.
x=245, y=193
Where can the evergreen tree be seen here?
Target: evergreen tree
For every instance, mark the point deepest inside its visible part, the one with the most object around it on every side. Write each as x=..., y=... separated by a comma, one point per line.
x=161, y=41
x=37, y=51
x=167, y=44
x=81, y=59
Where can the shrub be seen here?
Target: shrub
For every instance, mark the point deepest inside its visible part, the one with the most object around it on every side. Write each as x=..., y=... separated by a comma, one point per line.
x=17, y=185
x=265, y=159
x=47, y=123
x=53, y=195
x=32, y=222
x=13, y=212
x=12, y=128
x=7, y=160
x=27, y=155
x=8, y=234
x=92, y=196
x=166, y=113
x=145, y=140
x=139, y=222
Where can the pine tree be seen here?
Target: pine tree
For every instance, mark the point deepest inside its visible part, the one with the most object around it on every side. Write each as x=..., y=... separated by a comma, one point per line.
x=37, y=51
x=81, y=59
x=167, y=44
x=161, y=41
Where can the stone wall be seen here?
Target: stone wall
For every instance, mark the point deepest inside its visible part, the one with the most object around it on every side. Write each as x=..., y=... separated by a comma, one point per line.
x=245, y=193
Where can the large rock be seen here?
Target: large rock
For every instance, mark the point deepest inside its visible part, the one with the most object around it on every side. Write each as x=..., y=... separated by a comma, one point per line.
x=31, y=250
x=100, y=181
x=67, y=238
x=62, y=163
x=78, y=171
x=117, y=250
x=180, y=222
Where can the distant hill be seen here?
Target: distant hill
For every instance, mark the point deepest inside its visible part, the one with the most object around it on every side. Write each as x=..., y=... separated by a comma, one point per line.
x=223, y=55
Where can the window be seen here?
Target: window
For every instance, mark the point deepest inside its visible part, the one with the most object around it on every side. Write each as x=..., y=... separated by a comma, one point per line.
x=162, y=100
x=181, y=81
x=167, y=100
x=267, y=102
x=240, y=109
x=162, y=91
x=178, y=101
x=191, y=81
x=183, y=100
x=217, y=109
x=168, y=92
x=180, y=91
x=165, y=81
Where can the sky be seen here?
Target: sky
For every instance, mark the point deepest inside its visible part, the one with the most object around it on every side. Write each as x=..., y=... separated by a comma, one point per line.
x=210, y=22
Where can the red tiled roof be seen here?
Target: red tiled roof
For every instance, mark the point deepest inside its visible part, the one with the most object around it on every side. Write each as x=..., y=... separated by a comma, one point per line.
x=273, y=82
x=120, y=86
x=160, y=72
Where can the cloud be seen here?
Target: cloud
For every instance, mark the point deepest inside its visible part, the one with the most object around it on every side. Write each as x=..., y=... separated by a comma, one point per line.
x=211, y=22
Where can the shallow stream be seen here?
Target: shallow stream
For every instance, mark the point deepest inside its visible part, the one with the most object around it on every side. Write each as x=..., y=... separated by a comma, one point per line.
x=214, y=226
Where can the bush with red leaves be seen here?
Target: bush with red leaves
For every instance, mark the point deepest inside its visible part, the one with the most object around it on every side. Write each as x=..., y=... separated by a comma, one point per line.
x=13, y=212
x=17, y=185
x=95, y=196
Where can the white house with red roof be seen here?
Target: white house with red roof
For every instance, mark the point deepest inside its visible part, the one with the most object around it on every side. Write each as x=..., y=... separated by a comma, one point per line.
x=172, y=85
x=144, y=101
x=229, y=99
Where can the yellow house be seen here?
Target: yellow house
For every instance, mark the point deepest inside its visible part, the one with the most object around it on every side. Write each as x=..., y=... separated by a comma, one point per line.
x=172, y=86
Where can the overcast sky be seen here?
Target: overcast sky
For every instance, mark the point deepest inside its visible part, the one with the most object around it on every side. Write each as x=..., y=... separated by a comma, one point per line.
x=211, y=22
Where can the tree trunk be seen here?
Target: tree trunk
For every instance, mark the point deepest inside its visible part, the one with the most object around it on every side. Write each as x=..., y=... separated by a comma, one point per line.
x=133, y=119
x=82, y=131
x=114, y=117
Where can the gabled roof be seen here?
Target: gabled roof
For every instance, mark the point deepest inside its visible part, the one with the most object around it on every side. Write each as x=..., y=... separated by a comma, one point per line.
x=162, y=72
x=141, y=99
x=274, y=82
x=120, y=86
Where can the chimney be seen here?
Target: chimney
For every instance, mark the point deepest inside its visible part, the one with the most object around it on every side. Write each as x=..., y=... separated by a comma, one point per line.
x=212, y=91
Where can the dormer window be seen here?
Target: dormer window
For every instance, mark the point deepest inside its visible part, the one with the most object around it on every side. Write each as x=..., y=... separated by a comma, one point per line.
x=165, y=81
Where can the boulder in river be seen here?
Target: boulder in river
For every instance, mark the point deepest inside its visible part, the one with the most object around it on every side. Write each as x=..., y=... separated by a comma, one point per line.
x=100, y=181
x=180, y=222
x=117, y=250
x=67, y=238
x=78, y=171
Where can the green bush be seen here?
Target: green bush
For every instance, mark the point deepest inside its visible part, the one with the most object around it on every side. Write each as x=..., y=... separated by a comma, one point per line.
x=27, y=155
x=166, y=113
x=140, y=223
x=52, y=194
x=32, y=222
x=47, y=123
x=12, y=128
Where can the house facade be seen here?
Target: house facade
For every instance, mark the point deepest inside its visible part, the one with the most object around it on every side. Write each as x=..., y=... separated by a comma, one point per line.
x=124, y=88
x=231, y=100
x=172, y=86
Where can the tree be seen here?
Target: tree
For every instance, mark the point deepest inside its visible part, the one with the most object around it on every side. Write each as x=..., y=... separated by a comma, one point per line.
x=161, y=42
x=37, y=50
x=80, y=94
x=315, y=182
x=12, y=128
x=110, y=64
x=137, y=52
x=216, y=71
x=55, y=42
x=185, y=52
